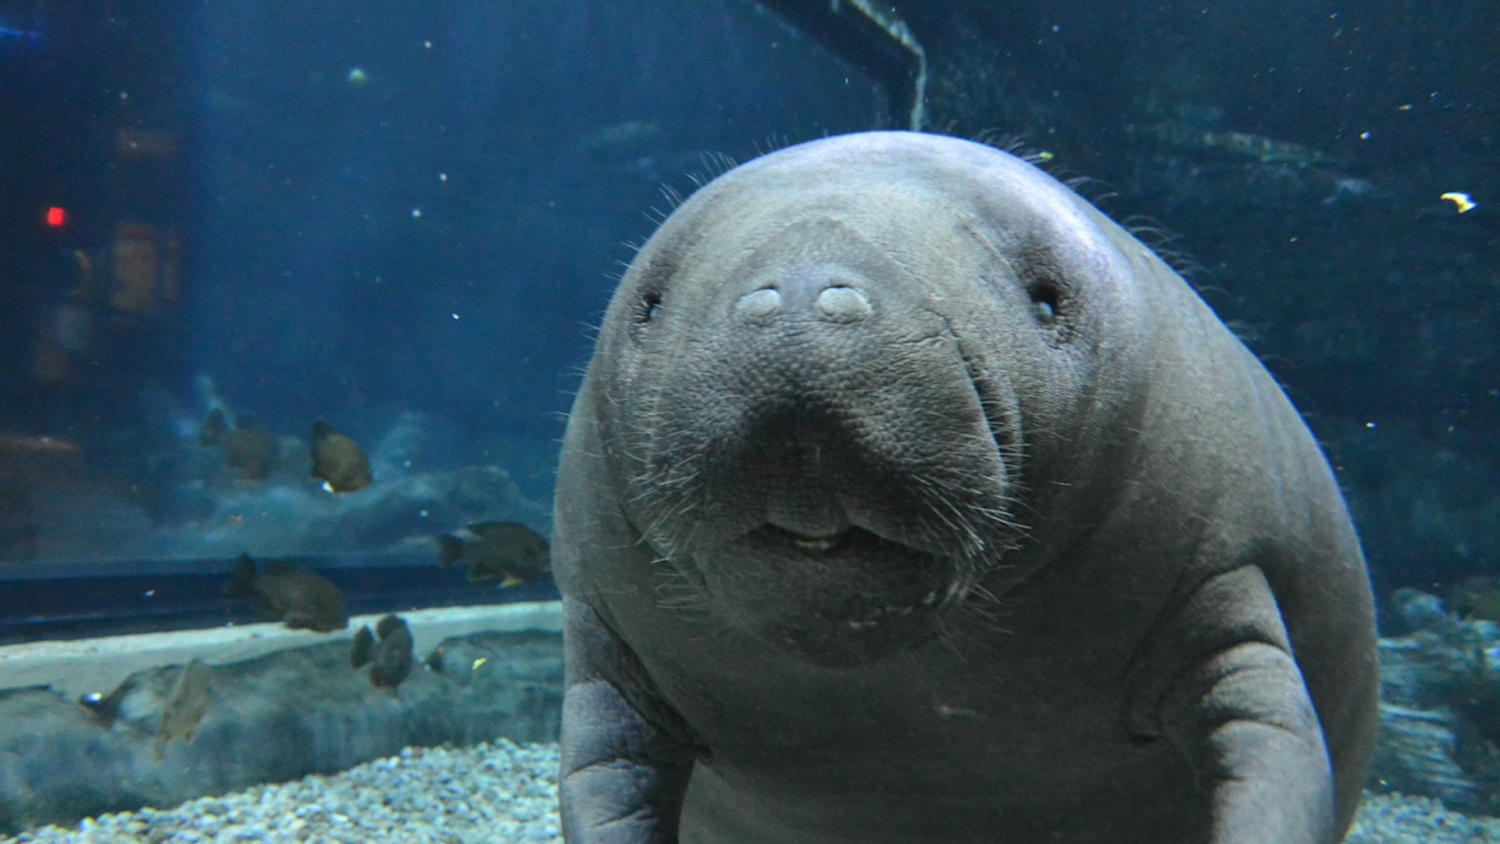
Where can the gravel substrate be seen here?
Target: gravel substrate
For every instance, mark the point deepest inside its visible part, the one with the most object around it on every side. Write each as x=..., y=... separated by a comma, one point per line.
x=497, y=792
x=502, y=792
x=1398, y=819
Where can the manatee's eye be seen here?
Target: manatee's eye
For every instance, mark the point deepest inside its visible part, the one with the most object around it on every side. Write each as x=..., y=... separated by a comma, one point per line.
x=1044, y=300
x=649, y=308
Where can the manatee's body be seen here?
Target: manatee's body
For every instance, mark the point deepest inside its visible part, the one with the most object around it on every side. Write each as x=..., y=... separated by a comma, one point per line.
x=909, y=499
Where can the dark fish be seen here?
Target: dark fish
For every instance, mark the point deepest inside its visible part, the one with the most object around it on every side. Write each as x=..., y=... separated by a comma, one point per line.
x=390, y=658
x=337, y=461
x=364, y=643
x=297, y=595
x=186, y=704
x=249, y=446
x=507, y=552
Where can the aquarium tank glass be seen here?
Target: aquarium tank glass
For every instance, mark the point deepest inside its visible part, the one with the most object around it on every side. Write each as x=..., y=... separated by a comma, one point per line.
x=897, y=494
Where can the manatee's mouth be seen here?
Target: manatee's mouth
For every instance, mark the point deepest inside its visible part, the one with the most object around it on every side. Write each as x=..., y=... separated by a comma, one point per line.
x=822, y=521
x=854, y=546
x=842, y=597
x=813, y=544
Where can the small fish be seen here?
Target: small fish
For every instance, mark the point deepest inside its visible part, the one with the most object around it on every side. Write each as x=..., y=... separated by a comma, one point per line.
x=439, y=661
x=363, y=644
x=508, y=552
x=183, y=710
x=390, y=659
x=106, y=708
x=299, y=596
x=249, y=446
x=337, y=461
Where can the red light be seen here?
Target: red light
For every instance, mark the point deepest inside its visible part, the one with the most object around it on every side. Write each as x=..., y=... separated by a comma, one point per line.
x=57, y=217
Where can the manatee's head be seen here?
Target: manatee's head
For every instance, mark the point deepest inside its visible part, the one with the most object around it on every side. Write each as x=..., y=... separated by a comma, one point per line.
x=833, y=379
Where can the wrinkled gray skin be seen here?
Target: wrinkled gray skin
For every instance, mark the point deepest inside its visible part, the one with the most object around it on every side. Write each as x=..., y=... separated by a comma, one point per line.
x=909, y=499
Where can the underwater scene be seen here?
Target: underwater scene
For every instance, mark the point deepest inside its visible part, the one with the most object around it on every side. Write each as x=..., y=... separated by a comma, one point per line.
x=728, y=421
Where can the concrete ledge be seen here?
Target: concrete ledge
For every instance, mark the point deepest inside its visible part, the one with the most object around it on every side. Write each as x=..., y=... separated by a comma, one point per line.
x=84, y=666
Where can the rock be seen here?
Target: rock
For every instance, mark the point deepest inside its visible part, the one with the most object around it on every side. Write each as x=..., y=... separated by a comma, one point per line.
x=1440, y=709
x=1416, y=755
x=1418, y=610
x=274, y=718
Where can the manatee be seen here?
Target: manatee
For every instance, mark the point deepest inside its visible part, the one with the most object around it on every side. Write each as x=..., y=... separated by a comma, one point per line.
x=907, y=498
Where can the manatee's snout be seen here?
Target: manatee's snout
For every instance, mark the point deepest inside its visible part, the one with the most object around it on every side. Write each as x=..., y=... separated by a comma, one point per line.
x=795, y=336
x=822, y=461
x=797, y=387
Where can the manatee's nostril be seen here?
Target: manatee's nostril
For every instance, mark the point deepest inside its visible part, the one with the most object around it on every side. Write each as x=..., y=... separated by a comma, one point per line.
x=838, y=303
x=843, y=304
x=760, y=303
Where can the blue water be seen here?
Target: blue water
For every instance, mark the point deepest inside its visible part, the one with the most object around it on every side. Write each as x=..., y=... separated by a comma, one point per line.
x=405, y=219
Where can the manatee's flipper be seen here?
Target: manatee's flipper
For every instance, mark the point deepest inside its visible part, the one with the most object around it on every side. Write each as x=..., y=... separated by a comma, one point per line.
x=1229, y=695
x=626, y=758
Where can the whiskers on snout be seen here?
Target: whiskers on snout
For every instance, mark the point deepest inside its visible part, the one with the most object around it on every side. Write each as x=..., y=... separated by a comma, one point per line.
x=675, y=592
x=978, y=615
x=916, y=563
